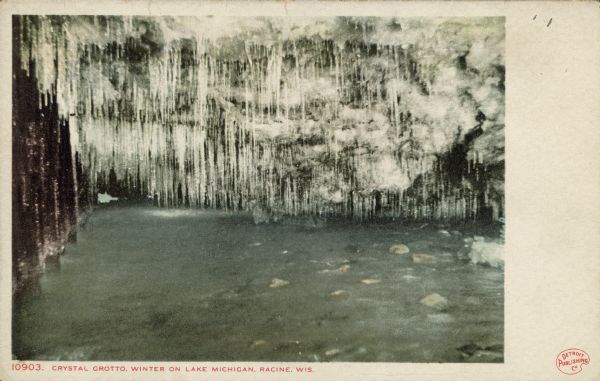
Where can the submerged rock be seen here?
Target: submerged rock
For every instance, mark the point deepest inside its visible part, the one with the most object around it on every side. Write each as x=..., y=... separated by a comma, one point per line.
x=399, y=248
x=344, y=269
x=469, y=349
x=440, y=318
x=278, y=283
x=435, y=300
x=409, y=277
x=422, y=258
x=495, y=348
x=486, y=356
x=258, y=343
x=339, y=294
x=332, y=352
x=325, y=271
x=476, y=353
x=370, y=281
x=352, y=249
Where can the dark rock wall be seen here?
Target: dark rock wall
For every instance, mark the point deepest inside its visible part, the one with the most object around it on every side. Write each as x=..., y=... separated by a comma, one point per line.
x=43, y=189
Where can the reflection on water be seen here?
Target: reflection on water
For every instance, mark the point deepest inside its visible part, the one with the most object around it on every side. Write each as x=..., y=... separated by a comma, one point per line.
x=179, y=285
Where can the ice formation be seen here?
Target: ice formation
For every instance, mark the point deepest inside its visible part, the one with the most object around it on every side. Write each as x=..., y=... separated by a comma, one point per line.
x=357, y=117
x=303, y=116
x=489, y=252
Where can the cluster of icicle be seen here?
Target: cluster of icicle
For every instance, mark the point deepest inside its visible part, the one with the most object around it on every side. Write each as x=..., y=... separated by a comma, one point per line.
x=295, y=127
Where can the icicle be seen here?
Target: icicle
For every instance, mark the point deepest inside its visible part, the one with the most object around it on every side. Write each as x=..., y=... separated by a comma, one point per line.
x=205, y=130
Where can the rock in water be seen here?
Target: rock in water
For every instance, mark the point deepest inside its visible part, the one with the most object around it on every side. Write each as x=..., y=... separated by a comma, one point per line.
x=486, y=356
x=399, y=248
x=495, y=348
x=435, y=300
x=475, y=353
x=422, y=258
x=339, y=294
x=469, y=349
x=258, y=343
x=344, y=269
x=370, y=281
x=332, y=352
x=278, y=283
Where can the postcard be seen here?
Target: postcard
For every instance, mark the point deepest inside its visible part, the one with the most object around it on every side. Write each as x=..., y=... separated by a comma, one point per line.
x=300, y=190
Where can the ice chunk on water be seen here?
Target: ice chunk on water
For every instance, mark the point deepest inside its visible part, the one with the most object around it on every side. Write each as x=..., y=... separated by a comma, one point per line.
x=105, y=198
x=487, y=252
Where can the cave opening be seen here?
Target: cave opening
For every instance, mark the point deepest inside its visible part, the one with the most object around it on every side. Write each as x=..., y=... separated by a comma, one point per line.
x=225, y=179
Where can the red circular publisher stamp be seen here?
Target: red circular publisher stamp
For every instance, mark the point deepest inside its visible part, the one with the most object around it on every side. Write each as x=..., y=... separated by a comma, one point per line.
x=570, y=361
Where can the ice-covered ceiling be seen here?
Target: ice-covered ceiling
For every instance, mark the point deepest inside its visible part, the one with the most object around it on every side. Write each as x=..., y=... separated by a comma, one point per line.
x=361, y=117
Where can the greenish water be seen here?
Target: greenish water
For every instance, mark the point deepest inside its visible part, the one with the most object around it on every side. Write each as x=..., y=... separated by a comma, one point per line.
x=153, y=284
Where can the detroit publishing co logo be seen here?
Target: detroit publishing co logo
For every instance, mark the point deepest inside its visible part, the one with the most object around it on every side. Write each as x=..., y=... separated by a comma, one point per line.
x=571, y=361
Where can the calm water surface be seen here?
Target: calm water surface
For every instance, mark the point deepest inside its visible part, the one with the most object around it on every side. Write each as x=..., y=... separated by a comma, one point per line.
x=153, y=284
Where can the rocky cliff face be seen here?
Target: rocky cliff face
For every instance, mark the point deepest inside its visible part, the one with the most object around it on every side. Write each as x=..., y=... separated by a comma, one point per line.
x=358, y=117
